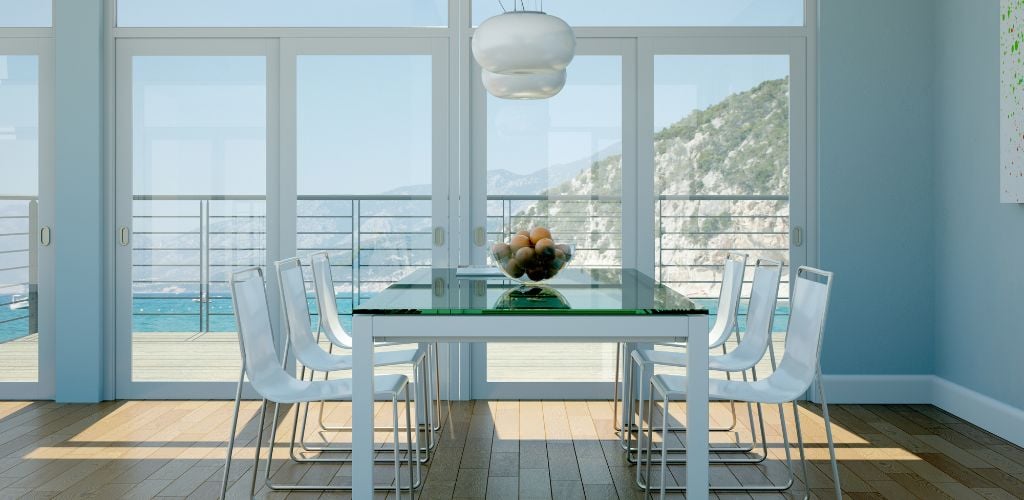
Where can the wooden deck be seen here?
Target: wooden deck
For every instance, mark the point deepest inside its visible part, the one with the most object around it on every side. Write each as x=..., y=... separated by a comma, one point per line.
x=197, y=357
x=20, y=359
x=507, y=449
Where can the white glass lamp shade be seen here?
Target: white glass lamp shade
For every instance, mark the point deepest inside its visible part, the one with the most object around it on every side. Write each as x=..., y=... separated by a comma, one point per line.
x=537, y=86
x=523, y=42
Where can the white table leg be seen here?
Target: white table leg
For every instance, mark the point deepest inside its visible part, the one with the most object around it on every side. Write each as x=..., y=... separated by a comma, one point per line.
x=362, y=407
x=697, y=412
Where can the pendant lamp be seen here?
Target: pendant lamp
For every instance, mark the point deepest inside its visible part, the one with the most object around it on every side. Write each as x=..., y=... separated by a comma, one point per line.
x=529, y=86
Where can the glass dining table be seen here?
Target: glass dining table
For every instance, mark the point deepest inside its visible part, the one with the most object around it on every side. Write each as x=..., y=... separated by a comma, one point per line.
x=579, y=305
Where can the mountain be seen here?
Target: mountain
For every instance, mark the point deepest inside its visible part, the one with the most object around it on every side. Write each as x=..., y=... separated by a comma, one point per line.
x=738, y=147
x=504, y=182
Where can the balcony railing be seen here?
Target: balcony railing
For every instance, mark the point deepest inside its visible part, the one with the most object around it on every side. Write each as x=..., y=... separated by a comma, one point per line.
x=18, y=223
x=186, y=247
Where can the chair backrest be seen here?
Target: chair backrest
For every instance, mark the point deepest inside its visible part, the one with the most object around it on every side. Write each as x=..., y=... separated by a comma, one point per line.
x=323, y=285
x=296, y=309
x=255, y=332
x=764, y=294
x=729, y=297
x=808, y=311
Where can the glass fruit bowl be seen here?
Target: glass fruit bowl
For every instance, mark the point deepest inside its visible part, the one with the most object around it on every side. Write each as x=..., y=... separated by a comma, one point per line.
x=529, y=262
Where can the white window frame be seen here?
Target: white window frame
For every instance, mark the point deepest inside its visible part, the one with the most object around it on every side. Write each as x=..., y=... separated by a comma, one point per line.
x=39, y=42
x=462, y=147
x=625, y=48
x=124, y=386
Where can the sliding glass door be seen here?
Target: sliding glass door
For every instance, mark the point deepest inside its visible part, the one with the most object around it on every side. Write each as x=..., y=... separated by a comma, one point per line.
x=729, y=161
x=192, y=175
x=558, y=163
x=365, y=161
x=26, y=215
x=663, y=154
x=210, y=181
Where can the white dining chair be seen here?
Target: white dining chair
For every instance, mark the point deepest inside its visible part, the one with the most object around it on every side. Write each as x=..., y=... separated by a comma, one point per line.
x=798, y=371
x=312, y=357
x=725, y=325
x=752, y=346
x=330, y=326
x=263, y=366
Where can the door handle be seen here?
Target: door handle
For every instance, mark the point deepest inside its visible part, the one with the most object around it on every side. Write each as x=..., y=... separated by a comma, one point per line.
x=480, y=236
x=798, y=236
x=438, y=236
x=439, y=287
x=124, y=236
x=45, y=236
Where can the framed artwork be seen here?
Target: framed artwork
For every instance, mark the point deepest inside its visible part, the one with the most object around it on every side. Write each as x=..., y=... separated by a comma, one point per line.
x=1011, y=97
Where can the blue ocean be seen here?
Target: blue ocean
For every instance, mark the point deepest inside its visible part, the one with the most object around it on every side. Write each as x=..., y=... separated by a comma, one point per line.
x=170, y=313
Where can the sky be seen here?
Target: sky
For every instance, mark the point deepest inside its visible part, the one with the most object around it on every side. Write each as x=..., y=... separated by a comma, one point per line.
x=364, y=121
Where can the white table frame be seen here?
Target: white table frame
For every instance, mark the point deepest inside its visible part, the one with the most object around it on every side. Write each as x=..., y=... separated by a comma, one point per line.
x=629, y=329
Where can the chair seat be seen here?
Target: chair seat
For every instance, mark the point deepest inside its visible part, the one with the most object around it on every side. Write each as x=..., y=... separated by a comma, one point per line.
x=723, y=363
x=776, y=389
x=289, y=390
x=665, y=358
x=735, y=361
x=319, y=360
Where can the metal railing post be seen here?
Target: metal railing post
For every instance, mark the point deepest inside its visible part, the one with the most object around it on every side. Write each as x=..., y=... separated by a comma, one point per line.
x=204, y=264
x=357, y=284
x=33, y=266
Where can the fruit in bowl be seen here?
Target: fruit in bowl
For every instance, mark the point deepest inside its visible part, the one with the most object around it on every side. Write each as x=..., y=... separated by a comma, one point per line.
x=531, y=256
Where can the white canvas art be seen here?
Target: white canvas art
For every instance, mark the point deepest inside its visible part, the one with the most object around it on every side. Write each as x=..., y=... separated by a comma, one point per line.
x=1011, y=109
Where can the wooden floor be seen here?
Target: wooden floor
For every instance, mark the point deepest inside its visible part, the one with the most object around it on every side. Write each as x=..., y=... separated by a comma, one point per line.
x=507, y=449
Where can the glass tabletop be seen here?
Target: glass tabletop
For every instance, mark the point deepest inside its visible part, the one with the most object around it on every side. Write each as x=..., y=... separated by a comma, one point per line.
x=610, y=291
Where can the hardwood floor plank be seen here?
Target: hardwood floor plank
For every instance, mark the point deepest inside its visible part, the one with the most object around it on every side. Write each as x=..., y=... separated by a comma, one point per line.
x=956, y=470
x=920, y=486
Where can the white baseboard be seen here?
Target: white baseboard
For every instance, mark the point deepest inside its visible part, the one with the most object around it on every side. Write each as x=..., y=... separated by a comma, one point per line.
x=878, y=389
x=994, y=416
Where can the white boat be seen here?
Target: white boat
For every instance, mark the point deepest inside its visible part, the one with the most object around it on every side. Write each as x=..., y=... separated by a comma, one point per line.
x=19, y=302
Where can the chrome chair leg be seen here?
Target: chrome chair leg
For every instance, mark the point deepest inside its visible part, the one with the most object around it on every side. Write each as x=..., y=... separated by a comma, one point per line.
x=828, y=434
x=616, y=418
x=664, y=433
x=432, y=422
x=650, y=441
x=398, y=461
x=301, y=439
x=231, y=438
x=645, y=461
x=626, y=440
x=259, y=442
x=413, y=485
x=800, y=444
x=677, y=455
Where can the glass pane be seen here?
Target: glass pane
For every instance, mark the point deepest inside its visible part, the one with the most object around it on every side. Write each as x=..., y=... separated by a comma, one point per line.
x=19, y=201
x=271, y=13
x=26, y=14
x=722, y=170
x=364, y=148
x=659, y=12
x=574, y=292
x=546, y=161
x=199, y=209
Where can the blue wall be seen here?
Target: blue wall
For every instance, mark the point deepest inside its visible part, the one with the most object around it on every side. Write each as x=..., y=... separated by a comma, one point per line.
x=875, y=184
x=979, y=256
